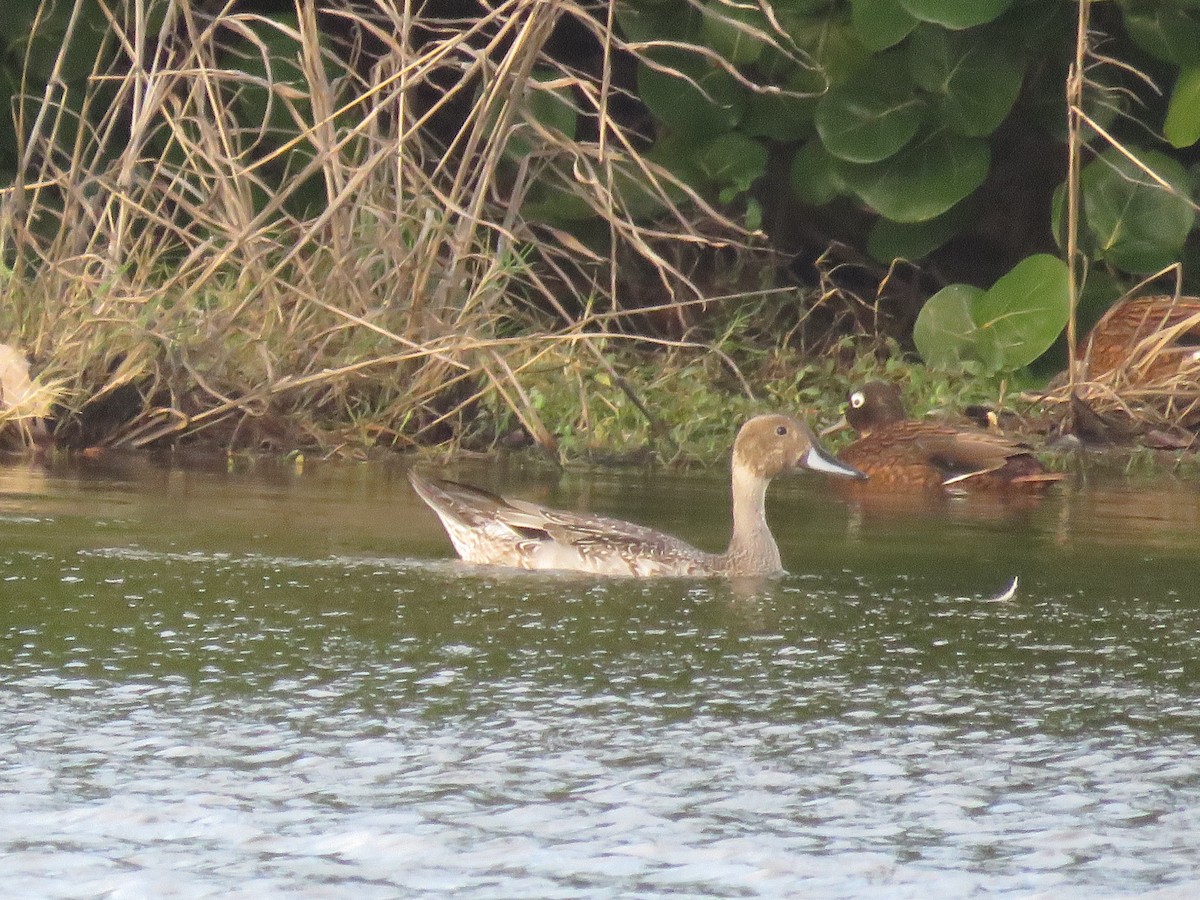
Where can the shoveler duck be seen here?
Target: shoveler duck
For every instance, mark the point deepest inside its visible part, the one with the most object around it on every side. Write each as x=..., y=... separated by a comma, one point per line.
x=903, y=453
x=492, y=530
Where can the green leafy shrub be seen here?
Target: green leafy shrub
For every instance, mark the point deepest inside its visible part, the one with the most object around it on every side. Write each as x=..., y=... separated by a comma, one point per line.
x=911, y=111
x=1136, y=213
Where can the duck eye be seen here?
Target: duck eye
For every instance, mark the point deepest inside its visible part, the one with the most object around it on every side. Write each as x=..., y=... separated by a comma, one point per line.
x=781, y=430
x=858, y=399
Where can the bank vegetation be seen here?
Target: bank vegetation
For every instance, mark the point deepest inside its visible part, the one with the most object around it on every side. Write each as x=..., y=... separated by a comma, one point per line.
x=597, y=228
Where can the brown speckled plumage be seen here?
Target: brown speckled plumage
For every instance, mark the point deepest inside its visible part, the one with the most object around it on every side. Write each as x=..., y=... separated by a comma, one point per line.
x=1148, y=338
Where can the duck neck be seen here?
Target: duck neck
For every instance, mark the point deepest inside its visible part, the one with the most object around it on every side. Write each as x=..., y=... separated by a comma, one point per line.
x=752, y=548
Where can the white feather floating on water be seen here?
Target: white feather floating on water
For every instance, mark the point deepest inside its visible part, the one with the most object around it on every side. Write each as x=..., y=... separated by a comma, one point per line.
x=1009, y=593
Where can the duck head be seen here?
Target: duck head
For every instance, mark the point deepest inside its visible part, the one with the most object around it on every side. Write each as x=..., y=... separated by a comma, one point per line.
x=770, y=445
x=875, y=404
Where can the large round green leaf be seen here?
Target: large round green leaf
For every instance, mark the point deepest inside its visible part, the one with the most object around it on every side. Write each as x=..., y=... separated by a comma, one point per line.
x=956, y=13
x=649, y=20
x=1025, y=310
x=638, y=197
x=945, y=329
x=1182, y=127
x=739, y=33
x=1058, y=216
x=552, y=108
x=974, y=77
x=276, y=91
x=1136, y=224
x=1002, y=329
x=64, y=49
x=880, y=24
x=732, y=162
x=888, y=240
x=552, y=199
x=814, y=175
x=677, y=154
x=924, y=180
x=1044, y=105
x=39, y=54
x=686, y=92
x=785, y=115
x=872, y=115
x=829, y=41
x=1168, y=29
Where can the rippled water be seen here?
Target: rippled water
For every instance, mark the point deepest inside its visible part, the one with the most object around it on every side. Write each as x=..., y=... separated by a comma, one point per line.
x=275, y=683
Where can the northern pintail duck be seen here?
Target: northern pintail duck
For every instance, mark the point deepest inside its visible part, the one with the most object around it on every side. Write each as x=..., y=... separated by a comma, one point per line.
x=903, y=453
x=488, y=529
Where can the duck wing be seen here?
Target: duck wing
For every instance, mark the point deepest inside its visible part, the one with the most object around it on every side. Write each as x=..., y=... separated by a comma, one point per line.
x=969, y=449
x=584, y=530
x=486, y=527
x=962, y=454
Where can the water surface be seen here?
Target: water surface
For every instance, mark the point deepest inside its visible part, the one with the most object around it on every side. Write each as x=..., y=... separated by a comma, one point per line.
x=274, y=682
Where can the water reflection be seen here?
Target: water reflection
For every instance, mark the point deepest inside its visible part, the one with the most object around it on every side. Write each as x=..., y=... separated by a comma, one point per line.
x=219, y=684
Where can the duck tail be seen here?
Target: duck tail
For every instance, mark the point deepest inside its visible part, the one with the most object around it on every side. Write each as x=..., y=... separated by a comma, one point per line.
x=459, y=502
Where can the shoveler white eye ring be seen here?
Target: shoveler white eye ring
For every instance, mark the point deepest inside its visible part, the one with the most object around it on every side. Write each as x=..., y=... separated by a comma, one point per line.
x=858, y=399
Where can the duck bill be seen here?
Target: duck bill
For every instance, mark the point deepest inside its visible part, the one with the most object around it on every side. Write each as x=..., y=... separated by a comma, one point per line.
x=821, y=460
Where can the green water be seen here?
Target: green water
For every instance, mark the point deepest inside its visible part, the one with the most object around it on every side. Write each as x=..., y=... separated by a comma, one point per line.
x=276, y=683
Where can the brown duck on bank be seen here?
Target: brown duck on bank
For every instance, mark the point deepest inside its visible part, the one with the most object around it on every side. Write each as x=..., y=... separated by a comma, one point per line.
x=907, y=454
x=1147, y=339
x=492, y=530
x=1138, y=376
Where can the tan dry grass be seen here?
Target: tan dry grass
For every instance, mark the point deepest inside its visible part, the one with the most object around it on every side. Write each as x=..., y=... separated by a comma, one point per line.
x=161, y=242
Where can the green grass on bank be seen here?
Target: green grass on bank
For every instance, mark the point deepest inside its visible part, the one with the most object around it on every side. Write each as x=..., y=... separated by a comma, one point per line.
x=276, y=377
x=683, y=407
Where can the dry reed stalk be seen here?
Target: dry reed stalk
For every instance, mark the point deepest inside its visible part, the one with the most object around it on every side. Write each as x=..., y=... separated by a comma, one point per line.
x=1075, y=91
x=329, y=255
